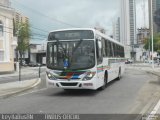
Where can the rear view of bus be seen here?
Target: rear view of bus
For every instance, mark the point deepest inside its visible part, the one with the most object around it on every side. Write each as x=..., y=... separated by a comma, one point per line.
x=72, y=58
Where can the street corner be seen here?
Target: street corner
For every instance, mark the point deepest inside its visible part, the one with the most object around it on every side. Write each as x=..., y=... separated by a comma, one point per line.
x=13, y=88
x=157, y=73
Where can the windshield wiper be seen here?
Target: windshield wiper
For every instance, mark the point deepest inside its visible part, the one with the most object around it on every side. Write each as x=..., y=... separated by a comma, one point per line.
x=74, y=50
x=63, y=49
x=78, y=44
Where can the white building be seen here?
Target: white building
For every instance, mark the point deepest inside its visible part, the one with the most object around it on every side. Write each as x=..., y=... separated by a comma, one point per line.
x=155, y=7
x=116, y=29
x=128, y=27
x=7, y=41
x=142, y=35
x=38, y=53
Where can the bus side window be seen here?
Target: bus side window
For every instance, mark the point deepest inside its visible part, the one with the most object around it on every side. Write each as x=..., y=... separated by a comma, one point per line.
x=99, y=51
x=104, y=48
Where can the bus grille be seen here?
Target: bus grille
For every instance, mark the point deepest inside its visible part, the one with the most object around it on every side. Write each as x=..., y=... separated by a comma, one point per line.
x=69, y=84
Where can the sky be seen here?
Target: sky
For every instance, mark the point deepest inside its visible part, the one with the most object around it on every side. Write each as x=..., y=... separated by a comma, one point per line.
x=48, y=15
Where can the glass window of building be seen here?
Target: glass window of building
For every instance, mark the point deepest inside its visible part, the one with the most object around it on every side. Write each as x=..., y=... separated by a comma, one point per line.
x=1, y=28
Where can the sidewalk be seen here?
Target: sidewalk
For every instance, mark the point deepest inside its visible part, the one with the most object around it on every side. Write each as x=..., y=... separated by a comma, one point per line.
x=148, y=68
x=25, y=71
x=13, y=88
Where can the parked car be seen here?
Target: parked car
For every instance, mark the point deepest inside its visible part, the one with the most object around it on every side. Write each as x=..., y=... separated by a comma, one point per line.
x=33, y=64
x=23, y=63
x=128, y=61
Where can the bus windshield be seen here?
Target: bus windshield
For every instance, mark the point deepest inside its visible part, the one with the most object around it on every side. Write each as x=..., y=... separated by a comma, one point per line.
x=71, y=55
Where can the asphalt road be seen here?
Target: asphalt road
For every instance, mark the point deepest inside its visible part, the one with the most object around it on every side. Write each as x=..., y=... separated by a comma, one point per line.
x=137, y=91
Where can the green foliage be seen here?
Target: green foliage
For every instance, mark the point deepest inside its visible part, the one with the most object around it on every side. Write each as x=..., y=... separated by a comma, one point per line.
x=23, y=34
x=156, y=43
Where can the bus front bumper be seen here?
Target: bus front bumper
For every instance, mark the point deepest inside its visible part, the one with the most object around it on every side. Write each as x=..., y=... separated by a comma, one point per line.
x=90, y=84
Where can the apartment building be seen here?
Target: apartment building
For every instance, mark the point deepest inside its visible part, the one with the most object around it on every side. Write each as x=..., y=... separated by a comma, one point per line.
x=128, y=27
x=155, y=7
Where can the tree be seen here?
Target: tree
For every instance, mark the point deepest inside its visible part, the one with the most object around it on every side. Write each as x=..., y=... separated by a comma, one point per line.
x=156, y=43
x=23, y=35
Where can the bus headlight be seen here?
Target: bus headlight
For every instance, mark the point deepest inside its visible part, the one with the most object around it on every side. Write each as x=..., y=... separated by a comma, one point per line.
x=51, y=76
x=89, y=76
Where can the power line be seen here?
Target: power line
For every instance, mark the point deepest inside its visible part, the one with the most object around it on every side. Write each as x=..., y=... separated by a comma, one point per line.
x=51, y=18
x=39, y=29
x=42, y=35
x=34, y=38
x=35, y=34
x=38, y=34
x=30, y=26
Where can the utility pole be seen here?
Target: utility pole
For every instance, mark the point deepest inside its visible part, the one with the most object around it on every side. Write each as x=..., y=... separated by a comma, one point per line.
x=152, y=33
x=20, y=62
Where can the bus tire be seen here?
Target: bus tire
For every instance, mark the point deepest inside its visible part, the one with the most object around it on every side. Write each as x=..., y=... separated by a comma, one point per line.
x=105, y=81
x=119, y=74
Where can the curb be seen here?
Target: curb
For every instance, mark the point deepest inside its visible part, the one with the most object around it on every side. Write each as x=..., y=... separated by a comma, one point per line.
x=148, y=71
x=21, y=90
x=149, y=107
x=17, y=74
x=153, y=73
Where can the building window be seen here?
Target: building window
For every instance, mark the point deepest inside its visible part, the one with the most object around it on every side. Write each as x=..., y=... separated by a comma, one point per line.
x=1, y=56
x=1, y=28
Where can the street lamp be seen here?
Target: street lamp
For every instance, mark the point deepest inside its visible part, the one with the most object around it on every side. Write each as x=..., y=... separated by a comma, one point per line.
x=152, y=33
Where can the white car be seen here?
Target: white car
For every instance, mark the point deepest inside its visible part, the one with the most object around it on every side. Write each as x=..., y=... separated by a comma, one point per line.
x=128, y=61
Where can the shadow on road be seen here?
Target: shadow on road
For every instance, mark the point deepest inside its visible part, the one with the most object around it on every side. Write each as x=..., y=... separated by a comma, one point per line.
x=157, y=82
x=78, y=92
x=75, y=93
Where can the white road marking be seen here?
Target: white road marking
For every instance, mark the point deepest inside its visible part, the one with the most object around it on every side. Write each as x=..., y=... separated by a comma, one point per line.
x=154, y=111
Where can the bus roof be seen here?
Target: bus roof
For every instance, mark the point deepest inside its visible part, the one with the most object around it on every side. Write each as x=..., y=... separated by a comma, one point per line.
x=107, y=37
x=96, y=32
x=73, y=29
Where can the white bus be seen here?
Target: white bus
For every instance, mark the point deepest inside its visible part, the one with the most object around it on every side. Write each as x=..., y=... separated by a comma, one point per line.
x=83, y=59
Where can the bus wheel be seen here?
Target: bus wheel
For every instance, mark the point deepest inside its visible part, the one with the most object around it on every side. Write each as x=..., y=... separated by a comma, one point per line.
x=119, y=74
x=105, y=81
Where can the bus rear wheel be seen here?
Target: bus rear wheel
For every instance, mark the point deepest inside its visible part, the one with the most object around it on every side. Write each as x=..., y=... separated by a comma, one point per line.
x=105, y=81
x=119, y=74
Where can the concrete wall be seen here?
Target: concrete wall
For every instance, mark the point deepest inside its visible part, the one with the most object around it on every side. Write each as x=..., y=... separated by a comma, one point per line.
x=33, y=57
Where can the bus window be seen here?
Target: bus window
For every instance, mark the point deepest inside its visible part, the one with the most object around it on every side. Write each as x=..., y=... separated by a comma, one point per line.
x=99, y=51
x=104, y=47
x=114, y=49
x=111, y=49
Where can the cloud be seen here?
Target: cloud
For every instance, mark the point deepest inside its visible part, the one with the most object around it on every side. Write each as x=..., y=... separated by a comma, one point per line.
x=57, y=14
x=80, y=13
